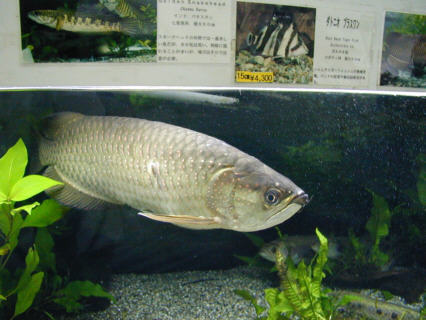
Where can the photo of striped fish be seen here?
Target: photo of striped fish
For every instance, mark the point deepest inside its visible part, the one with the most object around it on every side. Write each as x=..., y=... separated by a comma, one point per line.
x=277, y=39
x=89, y=30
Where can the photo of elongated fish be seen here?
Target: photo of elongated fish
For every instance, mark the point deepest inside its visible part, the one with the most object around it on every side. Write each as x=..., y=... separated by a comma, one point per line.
x=90, y=31
x=168, y=173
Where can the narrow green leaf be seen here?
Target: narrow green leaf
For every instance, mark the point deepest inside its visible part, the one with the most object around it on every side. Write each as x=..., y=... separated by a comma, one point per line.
x=31, y=262
x=27, y=208
x=247, y=296
x=27, y=294
x=16, y=229
x=4, y=221
x=2, y=297
x=12, y=167
x=44, y=215
x=30, y=186
x=256, y=240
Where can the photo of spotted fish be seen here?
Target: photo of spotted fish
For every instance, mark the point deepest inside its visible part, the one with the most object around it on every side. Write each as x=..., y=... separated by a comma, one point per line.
x=90, y=30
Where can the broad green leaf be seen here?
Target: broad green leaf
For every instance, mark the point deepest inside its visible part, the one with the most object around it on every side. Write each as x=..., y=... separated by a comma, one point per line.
x=27, y=208
x=3, y=197
x=30, y=186
x=31, y=262
x=77, y=289
x=377, y=225
x=47, y=213
x=12, y=167
x=70, y=304
x=44, y=244
x=27, y=294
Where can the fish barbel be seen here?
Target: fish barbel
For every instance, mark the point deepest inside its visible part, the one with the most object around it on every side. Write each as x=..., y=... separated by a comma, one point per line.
x=169, y=173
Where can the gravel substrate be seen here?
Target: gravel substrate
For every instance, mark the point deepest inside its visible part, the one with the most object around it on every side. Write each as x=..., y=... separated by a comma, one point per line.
x=194, y=295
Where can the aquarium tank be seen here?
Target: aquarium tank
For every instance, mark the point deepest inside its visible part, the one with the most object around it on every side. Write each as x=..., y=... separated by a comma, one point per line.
x=273, y=205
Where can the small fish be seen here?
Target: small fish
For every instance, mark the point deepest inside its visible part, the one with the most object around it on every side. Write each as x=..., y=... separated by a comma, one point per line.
x=299, y=247
x=169, y=173
x=85, y=23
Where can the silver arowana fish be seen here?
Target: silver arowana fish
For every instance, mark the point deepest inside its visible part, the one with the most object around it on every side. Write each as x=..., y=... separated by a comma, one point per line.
x=168, y=173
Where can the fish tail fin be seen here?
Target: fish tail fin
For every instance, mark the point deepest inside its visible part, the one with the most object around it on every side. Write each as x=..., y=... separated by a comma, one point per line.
x=137, y=28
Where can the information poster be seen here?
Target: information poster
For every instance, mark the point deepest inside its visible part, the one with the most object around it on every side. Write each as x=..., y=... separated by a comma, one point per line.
x=192, y=31
x=343, y=48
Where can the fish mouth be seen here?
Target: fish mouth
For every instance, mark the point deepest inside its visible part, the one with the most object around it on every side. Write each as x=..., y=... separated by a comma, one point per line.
x=301, y=198
x=293, y=204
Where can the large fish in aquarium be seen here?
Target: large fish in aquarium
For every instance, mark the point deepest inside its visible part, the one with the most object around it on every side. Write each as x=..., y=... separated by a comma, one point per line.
x=168, y=173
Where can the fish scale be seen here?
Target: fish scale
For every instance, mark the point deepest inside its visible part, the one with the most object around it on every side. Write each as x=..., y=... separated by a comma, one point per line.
x=169, y=173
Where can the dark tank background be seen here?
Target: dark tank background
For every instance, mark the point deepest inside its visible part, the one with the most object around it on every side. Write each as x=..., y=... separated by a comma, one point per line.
x=334, y=146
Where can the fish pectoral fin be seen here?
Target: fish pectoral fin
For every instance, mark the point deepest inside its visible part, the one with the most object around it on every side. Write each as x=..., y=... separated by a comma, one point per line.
x=69, y=196
x=181, y=219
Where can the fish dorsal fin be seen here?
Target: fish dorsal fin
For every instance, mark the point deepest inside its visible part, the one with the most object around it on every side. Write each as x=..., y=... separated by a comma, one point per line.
x=70, y=196
x=185, y=221
x=56, y=122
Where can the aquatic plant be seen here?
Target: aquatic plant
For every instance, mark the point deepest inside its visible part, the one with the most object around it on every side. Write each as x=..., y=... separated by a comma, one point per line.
x=301, y=292
x=19, y=288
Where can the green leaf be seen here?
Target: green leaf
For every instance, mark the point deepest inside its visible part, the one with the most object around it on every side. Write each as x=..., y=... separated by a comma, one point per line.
x=247, y=296
x=27, y=208
x=31, y=263
x=47, y=213
x=2, y=297
x=78, y=289
x=256, y=240
x=70, y=304
x=16, y=228
x=378, y=224
x=4, y=221
x=4, y=249
x=30, y=186
x=44, y=244
x=12, y=167
x=27, y=294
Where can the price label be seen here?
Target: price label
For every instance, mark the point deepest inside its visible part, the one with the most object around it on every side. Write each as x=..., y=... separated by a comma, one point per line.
x=247, y=76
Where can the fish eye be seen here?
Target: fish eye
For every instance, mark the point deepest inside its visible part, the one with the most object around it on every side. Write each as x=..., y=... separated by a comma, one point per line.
x=272, y=196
